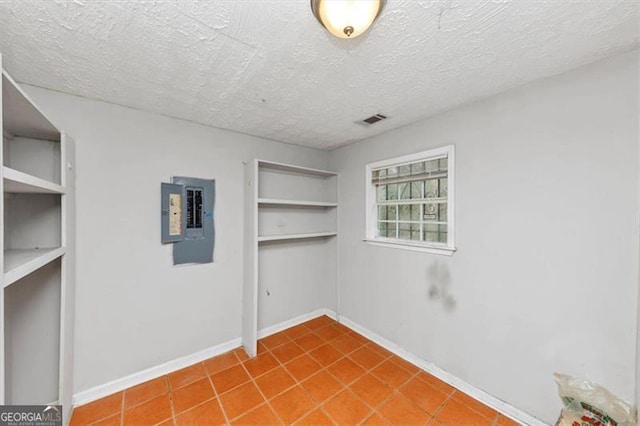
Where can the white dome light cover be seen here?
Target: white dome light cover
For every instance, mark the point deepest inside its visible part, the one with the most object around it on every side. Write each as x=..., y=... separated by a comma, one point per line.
x=347, y=18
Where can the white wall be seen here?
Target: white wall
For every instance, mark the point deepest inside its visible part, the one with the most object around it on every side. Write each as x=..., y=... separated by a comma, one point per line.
x=545, y=277
x=134, y=309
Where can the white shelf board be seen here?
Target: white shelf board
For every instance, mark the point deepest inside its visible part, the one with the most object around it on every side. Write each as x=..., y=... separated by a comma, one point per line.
x=295, y=236
x=295, y=169
x=18, y=182
x=274, y=201
x=19, y=263
x=20, y=116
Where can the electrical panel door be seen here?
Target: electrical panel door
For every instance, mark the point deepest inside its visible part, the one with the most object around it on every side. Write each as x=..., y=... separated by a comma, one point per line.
x=187, y=219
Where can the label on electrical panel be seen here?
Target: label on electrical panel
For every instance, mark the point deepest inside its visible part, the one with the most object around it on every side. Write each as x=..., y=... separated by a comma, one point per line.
x=175, y=214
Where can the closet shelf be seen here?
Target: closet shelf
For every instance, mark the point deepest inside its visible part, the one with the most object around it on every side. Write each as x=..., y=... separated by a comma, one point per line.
x=19, y=263
x=294, y=169
x=278, y=202
x=296, y=236
x=20, y=116
x=18, y=182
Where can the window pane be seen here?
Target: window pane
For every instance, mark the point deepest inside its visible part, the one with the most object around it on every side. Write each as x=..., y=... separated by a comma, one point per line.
x=416, y=190
x=443, y=187
x=415, y=212
x=404, y=170
x=382, y=213
x=443, y=233
x=382, y=192
x=431, y=188
x=391, y=212
x=443, y=212
x=392, y=191
x=382, y=229
x=404, y=190
x=435, y=233
x=392, y=171
x=404, y=231
x=405, y=212
x=375, y=174
x=409, y=231
x=391, y=229
x=431, y=212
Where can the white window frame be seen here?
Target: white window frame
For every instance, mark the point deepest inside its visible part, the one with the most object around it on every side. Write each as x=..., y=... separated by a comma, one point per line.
x=372, y=212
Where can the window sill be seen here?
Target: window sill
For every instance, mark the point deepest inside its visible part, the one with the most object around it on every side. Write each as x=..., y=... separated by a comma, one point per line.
x=441, y=250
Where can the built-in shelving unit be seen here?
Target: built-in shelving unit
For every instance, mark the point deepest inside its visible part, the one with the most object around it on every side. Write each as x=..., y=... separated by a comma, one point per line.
x=37, y=262
x=290, y=219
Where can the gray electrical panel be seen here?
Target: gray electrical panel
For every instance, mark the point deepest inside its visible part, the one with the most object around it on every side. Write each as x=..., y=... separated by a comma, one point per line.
x=187, y=219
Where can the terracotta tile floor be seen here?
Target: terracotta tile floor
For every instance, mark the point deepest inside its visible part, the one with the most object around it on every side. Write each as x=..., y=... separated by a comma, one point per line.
x=319, y=372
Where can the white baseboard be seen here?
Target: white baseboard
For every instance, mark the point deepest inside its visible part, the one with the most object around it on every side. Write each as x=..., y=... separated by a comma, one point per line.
x=493, y=402
x=267, y=331
x=123, y=383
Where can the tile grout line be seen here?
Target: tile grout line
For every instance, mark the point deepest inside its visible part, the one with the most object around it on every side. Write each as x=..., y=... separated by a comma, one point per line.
x=347, y=386
x=394, y=390
x=215, y=390
x=324, y=368
x=495, y=420
x=106, y=416
x=280, y=364
x=364, y=342
x=456, y=391
x=252, y=379
x=122, y=410
x=441, y=406
x=208, y=377
x=318, y=405
x=296, y=381
x=444, y=403
x=174, y=415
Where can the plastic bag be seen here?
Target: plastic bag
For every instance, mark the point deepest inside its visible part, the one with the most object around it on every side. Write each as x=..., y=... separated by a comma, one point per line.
x=589, y=404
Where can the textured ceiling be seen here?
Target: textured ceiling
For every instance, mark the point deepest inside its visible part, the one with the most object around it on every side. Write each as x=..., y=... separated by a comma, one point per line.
x=267, y=68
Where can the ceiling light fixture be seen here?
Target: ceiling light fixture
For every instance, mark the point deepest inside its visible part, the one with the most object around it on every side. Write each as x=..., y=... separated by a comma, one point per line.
x=347, y=18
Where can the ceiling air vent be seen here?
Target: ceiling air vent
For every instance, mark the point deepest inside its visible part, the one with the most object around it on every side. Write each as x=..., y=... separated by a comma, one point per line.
x=371, y=120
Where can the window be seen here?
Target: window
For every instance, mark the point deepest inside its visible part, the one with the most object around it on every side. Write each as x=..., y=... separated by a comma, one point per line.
x=410, y=201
